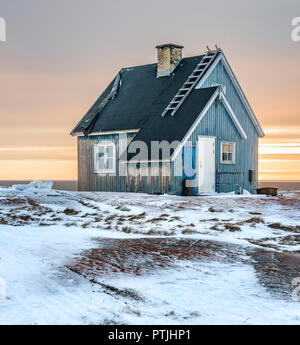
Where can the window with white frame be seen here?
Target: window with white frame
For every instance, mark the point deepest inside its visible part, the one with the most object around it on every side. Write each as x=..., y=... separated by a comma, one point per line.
x=227, y=152
x=105, y=158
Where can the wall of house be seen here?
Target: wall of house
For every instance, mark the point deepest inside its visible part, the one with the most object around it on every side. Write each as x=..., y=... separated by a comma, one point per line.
x=147, y=178
x=154, y=178
x=217, y=123
x=88, y=180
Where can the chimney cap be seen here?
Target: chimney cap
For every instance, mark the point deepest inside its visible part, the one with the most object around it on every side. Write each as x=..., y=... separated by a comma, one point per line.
x=168, y=45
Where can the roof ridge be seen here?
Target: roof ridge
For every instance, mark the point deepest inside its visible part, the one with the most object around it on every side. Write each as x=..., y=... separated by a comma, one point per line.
x=155, y=63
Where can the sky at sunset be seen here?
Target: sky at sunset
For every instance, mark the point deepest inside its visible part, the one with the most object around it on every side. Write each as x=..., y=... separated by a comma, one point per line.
x=61, y=54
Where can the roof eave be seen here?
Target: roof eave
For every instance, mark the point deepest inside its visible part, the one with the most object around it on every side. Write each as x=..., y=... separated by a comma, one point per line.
x=121, y=131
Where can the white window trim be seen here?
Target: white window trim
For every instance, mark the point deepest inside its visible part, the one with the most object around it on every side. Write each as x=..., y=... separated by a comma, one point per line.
x=233, y=152
x=105, y=171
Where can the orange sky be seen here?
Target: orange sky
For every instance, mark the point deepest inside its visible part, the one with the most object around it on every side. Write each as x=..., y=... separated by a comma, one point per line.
x=59, y=56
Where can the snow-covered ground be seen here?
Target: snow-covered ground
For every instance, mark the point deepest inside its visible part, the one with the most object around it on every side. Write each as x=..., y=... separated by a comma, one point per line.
x=44, y=233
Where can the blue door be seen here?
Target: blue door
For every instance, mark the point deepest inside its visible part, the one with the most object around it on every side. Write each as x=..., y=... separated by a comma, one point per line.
x=189, y=165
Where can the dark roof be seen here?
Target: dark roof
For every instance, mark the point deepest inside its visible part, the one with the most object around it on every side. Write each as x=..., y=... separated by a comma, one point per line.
x=141, y=96
x=172, y=128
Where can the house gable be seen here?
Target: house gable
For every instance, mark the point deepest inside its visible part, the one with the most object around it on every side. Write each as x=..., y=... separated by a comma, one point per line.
x=220, y=72
x=221, y=98
x=216, y=122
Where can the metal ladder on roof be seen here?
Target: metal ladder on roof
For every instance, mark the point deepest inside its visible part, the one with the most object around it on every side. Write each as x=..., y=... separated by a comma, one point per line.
x=190, y=83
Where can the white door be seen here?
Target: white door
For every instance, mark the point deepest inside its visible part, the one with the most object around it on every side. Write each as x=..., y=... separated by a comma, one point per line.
x=206, y=165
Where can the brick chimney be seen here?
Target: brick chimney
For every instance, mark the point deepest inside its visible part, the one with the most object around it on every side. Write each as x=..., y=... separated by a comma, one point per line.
x=168, y=57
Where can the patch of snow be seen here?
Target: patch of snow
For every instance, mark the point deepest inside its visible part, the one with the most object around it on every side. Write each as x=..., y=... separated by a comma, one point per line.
x=39, y=290
x=245, y=192
x=206, y=293
x=33, y=185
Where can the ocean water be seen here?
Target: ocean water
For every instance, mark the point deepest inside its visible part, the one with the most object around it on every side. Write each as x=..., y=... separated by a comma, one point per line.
x=72, y=184
x=58, y=184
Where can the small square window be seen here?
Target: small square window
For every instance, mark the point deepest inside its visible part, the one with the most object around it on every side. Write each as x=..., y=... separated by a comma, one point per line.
x=228, y=152
x=105, y=158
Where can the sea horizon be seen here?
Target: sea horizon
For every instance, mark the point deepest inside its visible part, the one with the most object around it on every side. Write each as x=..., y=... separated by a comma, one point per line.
x=71, y=185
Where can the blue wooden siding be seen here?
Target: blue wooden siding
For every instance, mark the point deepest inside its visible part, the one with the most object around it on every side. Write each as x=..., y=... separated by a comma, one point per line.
x=88, y=180
x=217, y=123
x=220, y=76
x=148, y=178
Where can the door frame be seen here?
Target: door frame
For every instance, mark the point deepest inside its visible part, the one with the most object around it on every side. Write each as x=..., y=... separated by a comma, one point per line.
x=198, y=161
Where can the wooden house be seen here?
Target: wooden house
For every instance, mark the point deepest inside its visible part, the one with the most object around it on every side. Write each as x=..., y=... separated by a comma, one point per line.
x=181, y=125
